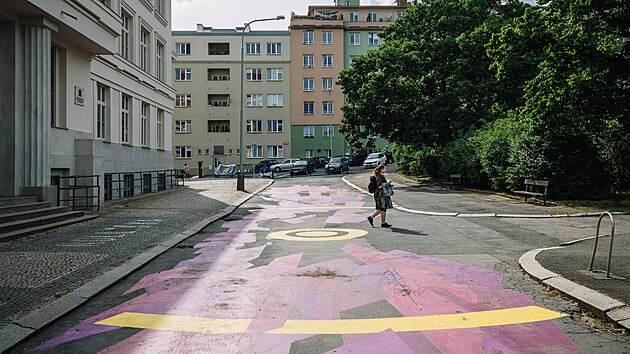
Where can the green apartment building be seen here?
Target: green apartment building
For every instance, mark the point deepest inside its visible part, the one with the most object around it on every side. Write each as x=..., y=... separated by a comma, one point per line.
x=324, y=42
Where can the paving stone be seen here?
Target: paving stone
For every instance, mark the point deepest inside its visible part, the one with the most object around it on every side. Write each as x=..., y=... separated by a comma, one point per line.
x=597, y=302
x=11, y=334
x=619, y=314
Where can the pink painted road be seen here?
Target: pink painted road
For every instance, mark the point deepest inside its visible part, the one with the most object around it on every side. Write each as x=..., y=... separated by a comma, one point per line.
x=298, y=269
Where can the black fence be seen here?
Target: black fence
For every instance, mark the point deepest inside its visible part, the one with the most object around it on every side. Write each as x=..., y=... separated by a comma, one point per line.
x=78, y=192
x=130, y=184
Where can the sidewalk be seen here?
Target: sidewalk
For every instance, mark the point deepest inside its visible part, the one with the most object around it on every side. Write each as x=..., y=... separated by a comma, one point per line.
x=37, y=270
x=567, y=263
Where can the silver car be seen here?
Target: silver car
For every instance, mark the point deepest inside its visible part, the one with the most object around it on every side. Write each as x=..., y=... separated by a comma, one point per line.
x=375, y=159
x=337, y=165
x=284, y=165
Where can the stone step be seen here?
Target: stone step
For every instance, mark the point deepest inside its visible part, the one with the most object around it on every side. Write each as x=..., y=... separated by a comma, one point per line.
x=31, y=214
x=17, y=200
x=43, y=228
x=9, y=209
x=39, y=221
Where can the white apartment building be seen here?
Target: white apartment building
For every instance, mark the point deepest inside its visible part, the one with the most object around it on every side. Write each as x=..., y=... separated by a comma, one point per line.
x=207, y=77
x=85, y=90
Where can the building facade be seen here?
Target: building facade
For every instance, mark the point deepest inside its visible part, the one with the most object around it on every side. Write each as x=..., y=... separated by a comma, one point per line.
x=85, y=90
x=207, y=74
x=324, y=42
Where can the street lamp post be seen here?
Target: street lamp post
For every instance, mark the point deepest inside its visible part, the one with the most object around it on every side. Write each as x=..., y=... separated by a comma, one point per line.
x=330, y=127
x=240, y=180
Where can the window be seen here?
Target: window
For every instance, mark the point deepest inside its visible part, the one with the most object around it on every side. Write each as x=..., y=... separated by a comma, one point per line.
x=183, y=152
x=145, y=37
x=327, y=84
x=254, y=152
x=254, y=100
x=309, y=131
x=327, y=107
x=144, y=124
x=125, y=111
x=308, y=153
x=401, y=14
x=218, y=126
x=328, y=153
x=160, y=7
x=309, y=107
x=274, y=48
x=254, y=126
x=159, y=61
x=183, y=126
x=218, y=150
x=101, y=111
x=328, y=131
x=275, y=100
x=373, y=39
x=327, y=37
x=371, y=17
x=159, y=124
x=182, y=48
x=354, y=17
x=275, y=126
x=355, y=38
x=309, y=84
x=182, y=74
x=352, y=58
x=126, y=36
x=327, y=15
x=327, y=60
x=254, y=74
x=309, y=37
x=275, y=74
x=275, y=151
x=252, y=48
x=106, y=3
x=309, y=60
x=183, y=100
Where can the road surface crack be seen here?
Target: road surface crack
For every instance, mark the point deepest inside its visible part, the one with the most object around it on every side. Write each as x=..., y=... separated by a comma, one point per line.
x=405, y=291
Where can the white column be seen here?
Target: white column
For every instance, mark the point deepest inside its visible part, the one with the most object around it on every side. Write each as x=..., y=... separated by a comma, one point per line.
x=33, y=139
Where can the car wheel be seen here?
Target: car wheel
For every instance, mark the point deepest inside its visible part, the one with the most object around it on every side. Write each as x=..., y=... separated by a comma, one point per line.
x=277, y=169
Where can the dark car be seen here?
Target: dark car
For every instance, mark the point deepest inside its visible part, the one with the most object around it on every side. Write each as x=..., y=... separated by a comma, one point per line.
x=264, y=163
x=320, y=161
x=302, y=167
x=358, y=159
x=337, y=165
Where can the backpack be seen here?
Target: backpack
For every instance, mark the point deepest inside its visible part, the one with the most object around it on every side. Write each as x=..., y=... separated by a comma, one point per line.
x=372, y=185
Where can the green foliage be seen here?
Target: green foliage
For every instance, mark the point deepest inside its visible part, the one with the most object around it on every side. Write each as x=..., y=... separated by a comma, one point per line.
x=460, y=158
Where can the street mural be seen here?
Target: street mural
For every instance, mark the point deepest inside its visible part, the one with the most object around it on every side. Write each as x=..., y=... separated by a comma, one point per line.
x=219, y=302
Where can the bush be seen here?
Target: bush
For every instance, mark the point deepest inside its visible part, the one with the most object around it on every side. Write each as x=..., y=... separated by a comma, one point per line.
x=424, y=162
x=460, y=157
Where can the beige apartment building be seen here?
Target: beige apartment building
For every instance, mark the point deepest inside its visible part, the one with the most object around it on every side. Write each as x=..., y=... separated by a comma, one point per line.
x=84, y=90
x=207, y=74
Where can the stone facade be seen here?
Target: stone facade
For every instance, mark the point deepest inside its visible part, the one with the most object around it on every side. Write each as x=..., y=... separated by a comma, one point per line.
x=85, y=90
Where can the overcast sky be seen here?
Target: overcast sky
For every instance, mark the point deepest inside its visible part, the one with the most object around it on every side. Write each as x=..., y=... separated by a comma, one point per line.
x=232, y=13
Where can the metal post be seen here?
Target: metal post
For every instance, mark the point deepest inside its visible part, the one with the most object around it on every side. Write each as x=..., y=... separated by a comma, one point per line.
x=612, y=239
x=240, y=179
x=331, y=131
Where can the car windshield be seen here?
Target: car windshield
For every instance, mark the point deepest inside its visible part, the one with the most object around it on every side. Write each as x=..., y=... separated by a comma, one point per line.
x=300, y=163
x=335, y=160
x=373, y=156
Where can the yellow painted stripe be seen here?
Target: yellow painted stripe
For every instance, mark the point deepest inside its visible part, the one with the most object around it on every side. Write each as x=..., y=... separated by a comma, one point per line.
x=177, y=323
x=356, y=326
x=422, y=323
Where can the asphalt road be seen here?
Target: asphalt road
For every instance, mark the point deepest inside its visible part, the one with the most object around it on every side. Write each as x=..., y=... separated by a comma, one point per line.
x=298, y=269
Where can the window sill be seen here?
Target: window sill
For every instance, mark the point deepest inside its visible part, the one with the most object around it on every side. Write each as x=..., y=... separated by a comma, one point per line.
x=254, y=106
x=183, y=158
x=280, y=132
x=254, y=132
x=275, y=107
x=106, y=141
x=183, y=133
x=146, y=148
x=59, y=128
x=126, y=145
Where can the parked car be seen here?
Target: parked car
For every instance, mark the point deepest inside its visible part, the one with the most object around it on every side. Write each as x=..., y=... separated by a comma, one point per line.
x=225, y=171
x=338, y=165
x=302, y=167
x=320, y=161
x=263, y=163
x=375, y=159
x=284, y=165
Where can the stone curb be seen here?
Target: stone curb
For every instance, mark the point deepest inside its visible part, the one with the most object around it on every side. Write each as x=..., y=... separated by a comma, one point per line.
x=483, y=215
x=25, y=327
x=601, y=305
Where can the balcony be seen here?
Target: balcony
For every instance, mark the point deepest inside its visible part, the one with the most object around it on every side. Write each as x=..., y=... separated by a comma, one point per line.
x=218, y=48
x=219, y=100
x=218, y=126
x=218, y=74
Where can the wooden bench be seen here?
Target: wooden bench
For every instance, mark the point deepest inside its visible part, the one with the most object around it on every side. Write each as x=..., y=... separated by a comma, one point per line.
x=531, y=185
x=454, y=182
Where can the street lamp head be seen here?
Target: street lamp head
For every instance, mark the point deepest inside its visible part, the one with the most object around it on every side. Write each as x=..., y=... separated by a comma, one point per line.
x=280, y=17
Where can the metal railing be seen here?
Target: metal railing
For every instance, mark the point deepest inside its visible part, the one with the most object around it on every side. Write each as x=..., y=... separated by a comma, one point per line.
x=129, y=184
x=612, y=239
x=78, y=192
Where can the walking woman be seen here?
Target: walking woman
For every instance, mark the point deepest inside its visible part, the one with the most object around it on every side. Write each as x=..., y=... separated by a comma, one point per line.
x=382, y=196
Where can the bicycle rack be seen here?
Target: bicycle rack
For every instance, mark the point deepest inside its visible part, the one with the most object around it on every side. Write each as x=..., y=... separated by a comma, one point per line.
x=612, y=239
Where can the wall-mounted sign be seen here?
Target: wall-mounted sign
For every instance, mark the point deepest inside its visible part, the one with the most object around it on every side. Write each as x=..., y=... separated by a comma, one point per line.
x=79, y=96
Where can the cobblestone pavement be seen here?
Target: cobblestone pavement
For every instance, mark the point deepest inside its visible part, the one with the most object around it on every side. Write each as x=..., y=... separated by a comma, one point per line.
x=36, y=270
x=262, y=280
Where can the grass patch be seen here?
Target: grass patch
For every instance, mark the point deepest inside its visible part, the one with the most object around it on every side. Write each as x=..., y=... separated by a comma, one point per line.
x=322, y=273
x=617, y=202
